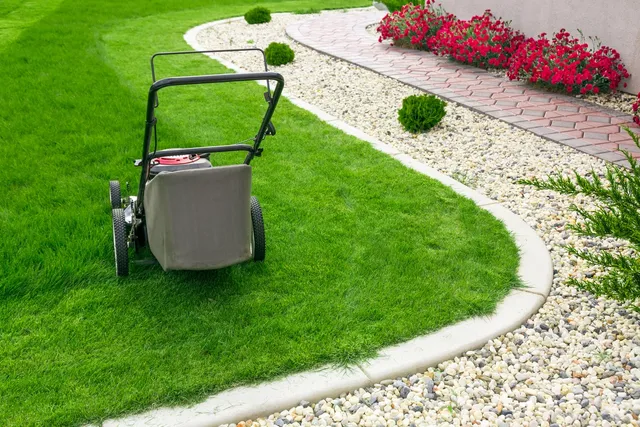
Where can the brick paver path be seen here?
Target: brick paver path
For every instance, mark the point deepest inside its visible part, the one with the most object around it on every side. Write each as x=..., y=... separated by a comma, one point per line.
x=564, y=119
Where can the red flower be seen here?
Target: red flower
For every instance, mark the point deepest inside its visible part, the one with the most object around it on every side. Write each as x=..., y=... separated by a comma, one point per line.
x=561, y=62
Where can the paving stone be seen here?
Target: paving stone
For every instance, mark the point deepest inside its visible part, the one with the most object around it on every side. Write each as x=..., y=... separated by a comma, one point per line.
x=598, y=148
x=575, y=143
x=601, y=119
x=531, y=112
x=594, y=135
x=568, y=108
x=563, y=124
x=611, y=156
x=541, y=99
x=506, y=103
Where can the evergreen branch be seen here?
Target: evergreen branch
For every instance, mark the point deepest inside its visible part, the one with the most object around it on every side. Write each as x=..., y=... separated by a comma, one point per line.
x=607, y=260
x=618, y=215
x=621, y=224
x=614, y=284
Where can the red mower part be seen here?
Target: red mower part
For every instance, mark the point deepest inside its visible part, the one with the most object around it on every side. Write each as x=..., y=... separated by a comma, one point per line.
x=176, y=160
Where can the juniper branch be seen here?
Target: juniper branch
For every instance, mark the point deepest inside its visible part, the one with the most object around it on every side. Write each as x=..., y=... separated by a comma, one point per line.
x=618, y=215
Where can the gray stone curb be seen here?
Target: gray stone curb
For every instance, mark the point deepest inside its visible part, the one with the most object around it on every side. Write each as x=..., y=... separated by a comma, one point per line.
x=418, y=354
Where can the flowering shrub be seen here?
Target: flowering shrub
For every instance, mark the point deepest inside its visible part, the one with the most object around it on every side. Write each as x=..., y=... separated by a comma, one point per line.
x=414, y=25
x=563, y=62
x=567, y=63
x=483, y=41
x=636, y=117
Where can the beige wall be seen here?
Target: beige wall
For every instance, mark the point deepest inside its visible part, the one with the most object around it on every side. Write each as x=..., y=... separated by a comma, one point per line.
x=615, y=22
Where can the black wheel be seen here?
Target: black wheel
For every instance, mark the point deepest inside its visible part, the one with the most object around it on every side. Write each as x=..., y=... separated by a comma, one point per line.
x=258, y=241
x=120, y=242
x=115, y=196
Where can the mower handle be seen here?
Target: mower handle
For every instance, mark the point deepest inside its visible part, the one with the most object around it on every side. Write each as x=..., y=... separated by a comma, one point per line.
x=217, y=78
x=253, y=150
x=189, y=52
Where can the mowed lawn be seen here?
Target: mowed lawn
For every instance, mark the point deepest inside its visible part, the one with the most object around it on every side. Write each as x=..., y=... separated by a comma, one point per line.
x=361, y=252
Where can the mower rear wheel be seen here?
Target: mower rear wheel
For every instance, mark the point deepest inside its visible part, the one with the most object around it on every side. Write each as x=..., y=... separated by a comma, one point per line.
x=258, y=239
x=115, y=196
x=120, y=248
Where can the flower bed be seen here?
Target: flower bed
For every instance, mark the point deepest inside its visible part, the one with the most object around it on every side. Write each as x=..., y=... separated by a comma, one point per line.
x=414, y=26
x=563, y=63
x=483, y=41
x=566, y=63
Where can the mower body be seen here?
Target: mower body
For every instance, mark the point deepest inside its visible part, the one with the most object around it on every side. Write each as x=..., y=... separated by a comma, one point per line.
x=190, y=214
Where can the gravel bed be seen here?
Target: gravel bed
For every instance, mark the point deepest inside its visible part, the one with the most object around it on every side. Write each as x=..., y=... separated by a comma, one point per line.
x=576, y=362
x=615, y=100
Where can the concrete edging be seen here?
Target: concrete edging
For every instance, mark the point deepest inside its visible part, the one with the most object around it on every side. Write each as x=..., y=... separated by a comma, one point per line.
x=418, y=354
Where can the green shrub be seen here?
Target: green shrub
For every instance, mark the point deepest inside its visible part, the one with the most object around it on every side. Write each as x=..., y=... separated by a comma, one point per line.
x=278, y=54
x=395, y=5
x=421, y=113
x=258, y=15
x=618, y=215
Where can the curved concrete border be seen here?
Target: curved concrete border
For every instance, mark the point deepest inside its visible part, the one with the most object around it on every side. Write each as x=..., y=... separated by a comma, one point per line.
x=243, y=403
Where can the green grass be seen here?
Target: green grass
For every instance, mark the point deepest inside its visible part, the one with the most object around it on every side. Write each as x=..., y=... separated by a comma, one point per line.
x=17, y=15
x=362, y=252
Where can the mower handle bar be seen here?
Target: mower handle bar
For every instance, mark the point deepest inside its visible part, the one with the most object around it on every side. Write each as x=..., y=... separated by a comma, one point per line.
x=217, y=78
x=191, y=52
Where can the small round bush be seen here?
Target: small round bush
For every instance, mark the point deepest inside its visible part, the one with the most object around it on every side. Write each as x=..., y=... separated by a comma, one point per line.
x=258, y=15
x=278, y=54
x=421, y=113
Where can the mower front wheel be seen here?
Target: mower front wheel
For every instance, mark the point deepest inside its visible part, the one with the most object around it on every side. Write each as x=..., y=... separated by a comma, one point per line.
x=120, y=248
x=258, y=240
x=115, y=196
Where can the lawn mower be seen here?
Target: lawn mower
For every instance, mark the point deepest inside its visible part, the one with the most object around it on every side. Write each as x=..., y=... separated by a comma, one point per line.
x=191, y=214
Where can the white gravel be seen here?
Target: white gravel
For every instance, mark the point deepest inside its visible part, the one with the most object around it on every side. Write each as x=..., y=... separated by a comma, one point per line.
x=576, y=362
x=615, y=100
